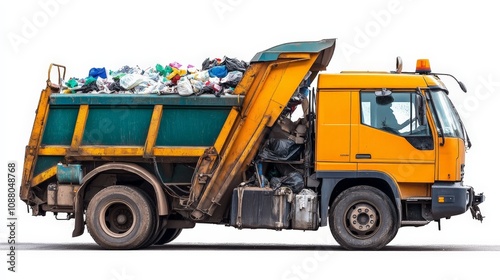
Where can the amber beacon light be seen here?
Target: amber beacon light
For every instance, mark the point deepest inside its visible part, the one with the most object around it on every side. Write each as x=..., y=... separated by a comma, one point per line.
x=423, y=66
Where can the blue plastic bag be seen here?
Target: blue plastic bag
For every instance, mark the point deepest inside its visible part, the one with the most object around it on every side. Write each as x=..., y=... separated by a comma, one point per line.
x=218, y=71
x=98, y=72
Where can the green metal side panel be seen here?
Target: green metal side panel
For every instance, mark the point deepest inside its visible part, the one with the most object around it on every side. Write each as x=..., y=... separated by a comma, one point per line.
x=124, y=119
x=60, y=125
x=45, y=162
x=117, y=125
x=191, y=126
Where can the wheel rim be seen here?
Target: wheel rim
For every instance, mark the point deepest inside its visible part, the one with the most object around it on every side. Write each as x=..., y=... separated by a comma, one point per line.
x=117, y=219
x=362, y=220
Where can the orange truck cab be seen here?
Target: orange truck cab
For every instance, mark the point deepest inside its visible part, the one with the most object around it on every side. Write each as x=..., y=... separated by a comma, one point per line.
x=395, y=132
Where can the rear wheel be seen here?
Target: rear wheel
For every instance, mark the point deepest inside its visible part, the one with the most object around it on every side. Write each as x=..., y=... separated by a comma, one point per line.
x=169, y=236
x=157, y=229
x=363, y=217
x=120, y=217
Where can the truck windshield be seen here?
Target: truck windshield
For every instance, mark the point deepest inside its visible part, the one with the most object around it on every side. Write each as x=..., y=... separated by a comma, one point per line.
x=444, y=111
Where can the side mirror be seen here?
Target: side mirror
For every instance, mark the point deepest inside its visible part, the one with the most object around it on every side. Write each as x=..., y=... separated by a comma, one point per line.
x=421, y=109
x=462, y=86
x=399, y=65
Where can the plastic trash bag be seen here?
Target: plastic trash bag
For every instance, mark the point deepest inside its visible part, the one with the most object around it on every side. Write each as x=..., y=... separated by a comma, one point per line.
x=102, y=84
x=211, y=86
x=234, y=64
x=127, y=70
x=202, y=76
x=175, y=79
x=280, y=149
x=148, y=86
x=175, y=64
x=184, y=87
x=129, y=81
x=292, y=180
x=140, y=88
x=177, y=72
x=163, y=71
x=90, y=87
x=209, y=63
x=214, y=84
x=171, y=90
x=206, y=89
x=197, y=85
x=98, y=72
x=167, y=90
x=153, y=76
x=115, y=87
x=159, y=88
x=116, y=76
x=89, y=80
x=71, y=83
x=232, y=79
x=218, y=71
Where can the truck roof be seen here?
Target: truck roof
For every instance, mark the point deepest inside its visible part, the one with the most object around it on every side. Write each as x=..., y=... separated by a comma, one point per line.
x=356, y=80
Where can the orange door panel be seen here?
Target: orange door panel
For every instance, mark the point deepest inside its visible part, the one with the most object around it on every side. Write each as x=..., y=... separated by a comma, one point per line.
x=333, y=138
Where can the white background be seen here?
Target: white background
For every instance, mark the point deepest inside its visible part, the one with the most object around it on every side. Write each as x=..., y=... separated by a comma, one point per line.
x=459, y=37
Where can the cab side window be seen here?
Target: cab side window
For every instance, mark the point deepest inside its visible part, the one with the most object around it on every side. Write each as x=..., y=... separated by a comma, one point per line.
x=395, y=113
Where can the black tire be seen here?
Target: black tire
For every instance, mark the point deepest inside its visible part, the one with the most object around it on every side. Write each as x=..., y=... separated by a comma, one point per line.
x=120, y=217
x=363, y=217
x=169, y=236
x=157, y=230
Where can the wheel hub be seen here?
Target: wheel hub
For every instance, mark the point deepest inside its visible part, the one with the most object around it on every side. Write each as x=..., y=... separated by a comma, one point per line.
x=119, y=219
x=362, y=218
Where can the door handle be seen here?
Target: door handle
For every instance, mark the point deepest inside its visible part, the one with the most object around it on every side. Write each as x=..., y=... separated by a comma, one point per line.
x=363, y=156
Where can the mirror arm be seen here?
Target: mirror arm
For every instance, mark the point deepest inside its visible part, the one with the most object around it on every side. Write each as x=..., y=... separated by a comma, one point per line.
x=462, y=86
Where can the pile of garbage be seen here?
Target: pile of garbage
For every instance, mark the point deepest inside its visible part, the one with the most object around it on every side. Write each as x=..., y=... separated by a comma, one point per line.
x=217, y=76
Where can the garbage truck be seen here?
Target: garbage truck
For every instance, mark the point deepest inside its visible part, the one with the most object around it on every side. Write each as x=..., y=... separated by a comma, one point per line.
x=292, y=148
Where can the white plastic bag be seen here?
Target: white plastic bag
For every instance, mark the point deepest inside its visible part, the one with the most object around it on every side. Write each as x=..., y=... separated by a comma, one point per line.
x=202, y=76
x=184, y=87
x=102, y=85
x=232, y=78
x=129, y=81
x=197, y=85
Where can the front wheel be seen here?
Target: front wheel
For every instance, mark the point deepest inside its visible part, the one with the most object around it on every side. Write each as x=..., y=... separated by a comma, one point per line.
x=120, y=217
x=363, y=217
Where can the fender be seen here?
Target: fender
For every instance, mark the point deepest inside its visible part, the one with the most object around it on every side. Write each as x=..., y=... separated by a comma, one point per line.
x=330, y=180
x=161, y=200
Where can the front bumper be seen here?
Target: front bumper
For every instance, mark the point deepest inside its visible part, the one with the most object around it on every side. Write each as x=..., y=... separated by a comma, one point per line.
x=450, y=199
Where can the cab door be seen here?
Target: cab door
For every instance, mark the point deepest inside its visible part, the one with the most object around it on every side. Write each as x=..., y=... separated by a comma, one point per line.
x=400, y=145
